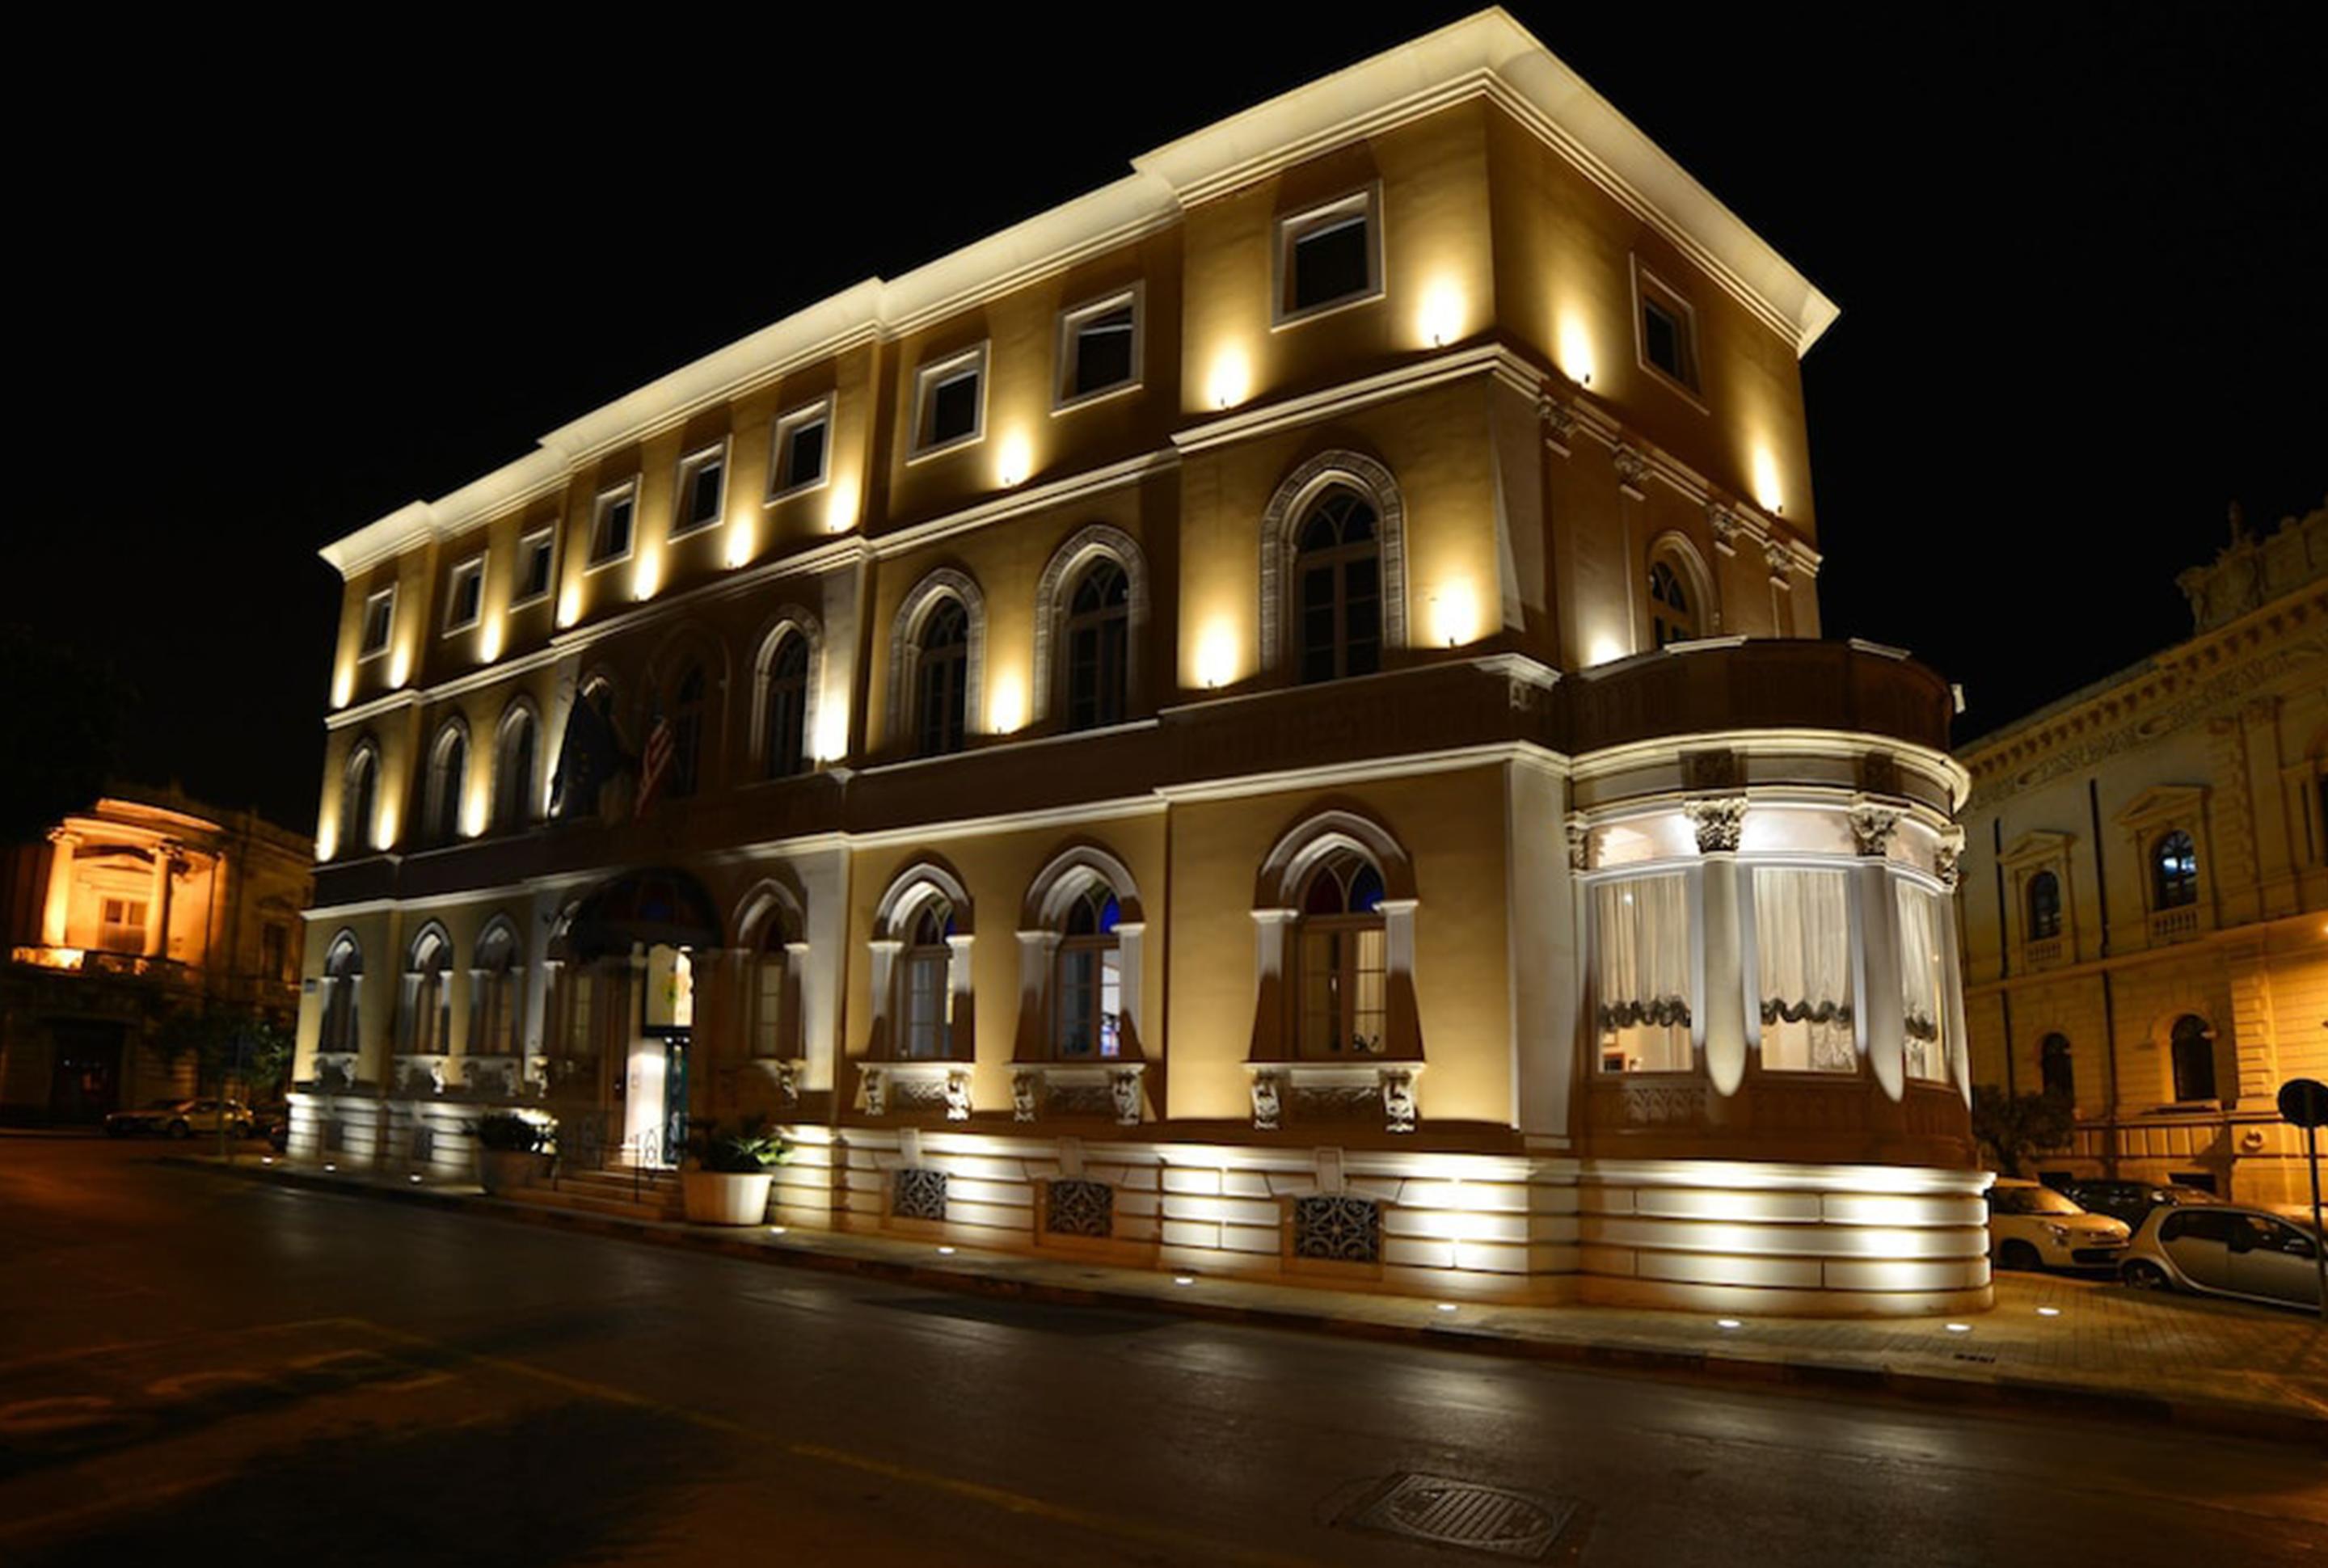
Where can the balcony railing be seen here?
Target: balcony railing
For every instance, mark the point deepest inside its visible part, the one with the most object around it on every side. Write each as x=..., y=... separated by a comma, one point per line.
x=2042, y=953
x=99, y=961
x=2177, y=924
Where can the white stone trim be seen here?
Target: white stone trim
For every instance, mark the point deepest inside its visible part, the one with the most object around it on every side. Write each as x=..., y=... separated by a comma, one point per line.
x=941, y=582
x=1052, y=603
x=1279, y=522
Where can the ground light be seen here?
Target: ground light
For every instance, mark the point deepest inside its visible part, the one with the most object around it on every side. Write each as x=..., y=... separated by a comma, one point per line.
x=945, y=1252
x=1727, y=1323
x=776, y=1230
x=1446, y=1306
x=1959, y=1328
x=2048, y=1311
x=330, y=1168
x=1184, y=1279
x=414, y=1180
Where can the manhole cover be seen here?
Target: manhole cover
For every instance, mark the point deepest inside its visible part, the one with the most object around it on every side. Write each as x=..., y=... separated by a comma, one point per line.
x=1454, y=1513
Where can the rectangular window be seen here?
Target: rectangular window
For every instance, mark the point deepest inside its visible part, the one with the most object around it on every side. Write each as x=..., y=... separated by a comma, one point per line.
x=1923, y=980
x=582, y=994
x=798, y=460
x=702, y=489
x=768, y=1006
x=536, y=554
x=464, y=594
x=1091, y=1002
x=122, y=924
x=949, y=402
x=379, y=620
x=1329, y=256
x=1640, y=934
x=1668, y=327
x=929, y=1005
x=1099, y=348
x=1802, y=937
x=610, y=528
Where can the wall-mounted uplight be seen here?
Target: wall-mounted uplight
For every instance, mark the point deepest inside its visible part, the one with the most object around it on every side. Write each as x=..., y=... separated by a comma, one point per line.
x=1444, y=315
x=1216, y=655
x=1014, y=460
x=1006, y=709
x=489, y=639
x=1230, y=380
x=739, y=541
x=569, y=604
x=400, y=666
x=648, y=577
x=841, y=507
x=1605, y=649
x=343, y=687
x=1576, y=355
x=1454, y=614
x=1766, y=493
x=831, y=731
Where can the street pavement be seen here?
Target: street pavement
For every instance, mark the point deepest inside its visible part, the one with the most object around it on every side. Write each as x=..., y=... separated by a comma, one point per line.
x=195, y=1364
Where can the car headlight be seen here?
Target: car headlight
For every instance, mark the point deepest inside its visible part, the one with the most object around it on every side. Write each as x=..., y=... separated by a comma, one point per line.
x=2060, y=1232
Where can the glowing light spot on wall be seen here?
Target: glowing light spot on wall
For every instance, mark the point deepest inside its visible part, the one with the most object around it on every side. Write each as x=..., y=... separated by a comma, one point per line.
x=1446, y=313
x=472, y=805
x=400, y=666
x=1454, y=616
x=343, y=686
x=1229, y=381
x=1006, y=705
x=384, y=837
x=841, y=506
x=1014, y=459
x=1216, y=655
x=1605, y=649
x=648, y=577
x=739, y=541
x=1766, y=493
x=831, y=731
x=569, y=604
x=489, y=639
x=327, y=841
x=1576, y=356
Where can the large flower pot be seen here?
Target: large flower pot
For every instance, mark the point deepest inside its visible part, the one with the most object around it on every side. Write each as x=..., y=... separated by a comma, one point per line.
x=507, y=1169
x=716, y=1197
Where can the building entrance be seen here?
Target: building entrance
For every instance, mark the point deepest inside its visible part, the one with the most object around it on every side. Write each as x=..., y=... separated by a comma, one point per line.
x=85, y=1077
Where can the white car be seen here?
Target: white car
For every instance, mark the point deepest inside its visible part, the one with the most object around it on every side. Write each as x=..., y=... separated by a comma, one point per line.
x=180, y=1119
x=2031, y=1226
x=2218, y=1250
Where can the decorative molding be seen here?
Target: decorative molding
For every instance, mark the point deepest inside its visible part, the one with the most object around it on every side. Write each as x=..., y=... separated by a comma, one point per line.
x=1947, y=860
x=1719, y=822
x=1631, y=465
x=1723, y=523
x=1286, y=509
x=940, y=582
x=1052, y=608
x=1268, y=1091
x=1398, y=1098
x=1871, y=826
x=1579, y=842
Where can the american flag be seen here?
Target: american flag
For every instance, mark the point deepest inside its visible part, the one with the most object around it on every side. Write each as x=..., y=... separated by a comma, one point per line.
x=655, y=764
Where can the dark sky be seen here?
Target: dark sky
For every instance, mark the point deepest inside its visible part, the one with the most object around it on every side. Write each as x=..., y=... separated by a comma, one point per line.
x=2079, y=251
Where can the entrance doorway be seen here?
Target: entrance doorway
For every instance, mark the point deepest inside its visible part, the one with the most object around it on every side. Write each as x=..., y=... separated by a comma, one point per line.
x=85, y=1075
x=654, y=1102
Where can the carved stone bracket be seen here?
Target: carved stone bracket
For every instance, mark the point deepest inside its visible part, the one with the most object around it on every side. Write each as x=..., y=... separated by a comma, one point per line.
x=1110, y=1089
x=1719, y=820
x=957, y=1096
x=1723, y=523
x=1781, y=561
x=903, y=1088
x=1268, y=1100
x=1558, y=419
x=788, y=1079
x=1314, y=1093
x=1398, y=1098
x=1631, y=465
x=1580, y=843
x=1946, y=858
x=877, y=1091
x=1871, y=826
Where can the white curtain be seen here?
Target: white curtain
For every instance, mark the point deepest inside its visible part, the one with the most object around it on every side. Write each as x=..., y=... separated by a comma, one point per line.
x=1641, y=932
x=1802, y=935
x=1923, y=981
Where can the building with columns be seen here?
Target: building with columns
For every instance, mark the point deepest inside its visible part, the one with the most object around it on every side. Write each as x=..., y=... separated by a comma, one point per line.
x=143, y=904
x=2146, y=890
x=1267, y=721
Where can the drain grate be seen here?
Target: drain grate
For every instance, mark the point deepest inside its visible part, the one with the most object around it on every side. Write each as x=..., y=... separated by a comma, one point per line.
x=1464, y=1514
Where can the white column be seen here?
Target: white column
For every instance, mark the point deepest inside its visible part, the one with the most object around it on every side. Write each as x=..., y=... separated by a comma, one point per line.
x=1130, y=942
x=1883, y=1027
x=56, y=913
x=1952, y=1000
x=884, y=951
x=1726, y=982
x=157, y=904
x=1034, y=953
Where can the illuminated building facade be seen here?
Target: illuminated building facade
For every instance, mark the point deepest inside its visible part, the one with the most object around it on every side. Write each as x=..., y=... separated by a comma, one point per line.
x=1267, y=720
x=2145, y=889
x=143, y=904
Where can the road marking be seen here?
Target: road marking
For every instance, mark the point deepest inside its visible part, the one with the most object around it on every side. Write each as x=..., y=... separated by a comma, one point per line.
x=1208, y=1548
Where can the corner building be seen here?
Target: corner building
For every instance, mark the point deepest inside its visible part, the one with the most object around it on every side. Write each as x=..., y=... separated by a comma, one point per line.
x=1267, y=721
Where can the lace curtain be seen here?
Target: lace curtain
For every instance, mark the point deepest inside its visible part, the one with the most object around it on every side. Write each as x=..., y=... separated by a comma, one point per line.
x=1802, y=924
x=1923, y=981
x=1641, y=932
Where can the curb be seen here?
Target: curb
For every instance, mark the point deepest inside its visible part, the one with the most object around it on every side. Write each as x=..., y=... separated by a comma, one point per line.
x=2018, y=1392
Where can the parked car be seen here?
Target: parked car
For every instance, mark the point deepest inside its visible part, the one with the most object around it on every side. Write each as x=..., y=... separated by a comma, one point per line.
x=2031, y=1226
x=2132, y=1200
x=180, y=1119
x=266, y=1119
x=2226, y=1250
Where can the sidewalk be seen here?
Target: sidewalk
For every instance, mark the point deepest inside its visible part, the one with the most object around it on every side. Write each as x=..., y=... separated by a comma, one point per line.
x=2068, y=1345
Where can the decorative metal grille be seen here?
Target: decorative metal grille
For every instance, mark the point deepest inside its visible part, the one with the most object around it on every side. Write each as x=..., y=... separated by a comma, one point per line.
x=1081, y=1209
x=1345, y=1230
x=918, y=1195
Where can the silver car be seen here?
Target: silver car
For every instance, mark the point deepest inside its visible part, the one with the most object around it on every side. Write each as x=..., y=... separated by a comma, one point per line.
x=2220, y=1250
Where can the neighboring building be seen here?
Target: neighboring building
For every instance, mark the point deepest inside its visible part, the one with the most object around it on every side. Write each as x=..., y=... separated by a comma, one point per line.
x=1262, y=720
x=145, y=904
x=2145, y=889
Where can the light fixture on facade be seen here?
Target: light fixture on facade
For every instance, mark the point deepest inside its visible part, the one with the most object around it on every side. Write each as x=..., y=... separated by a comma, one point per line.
x=1576, y=348
x=1959, y=1328
x=1231, y=379
x=1727, y=1323
x=2048, y=1311
x=414, y=1180
x=1184, y=1279
x=776, y=1230
x=1447, y=1306
x=1016, y=460
x=1443, y=313
x=945, y=1252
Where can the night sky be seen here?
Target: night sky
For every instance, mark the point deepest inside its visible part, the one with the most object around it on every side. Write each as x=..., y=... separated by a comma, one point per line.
x=2078, y=251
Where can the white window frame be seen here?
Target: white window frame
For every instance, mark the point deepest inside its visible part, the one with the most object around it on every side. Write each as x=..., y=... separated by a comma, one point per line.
x=476, y=564
x=1072, y=320
x=693, y=464
x=1646, y=286
x=926, y=383
x=525, y=543
x=1365, y=204
x=781, y=484
x=388, y=638
x=628, y=490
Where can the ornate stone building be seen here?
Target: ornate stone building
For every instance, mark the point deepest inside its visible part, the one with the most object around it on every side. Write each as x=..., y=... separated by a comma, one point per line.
x=145, y=903
x=1268, y=719
x=2145, y=890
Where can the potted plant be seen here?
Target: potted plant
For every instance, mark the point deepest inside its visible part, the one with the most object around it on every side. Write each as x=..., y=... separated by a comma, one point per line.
x=512, y=1151
x=727, y=1181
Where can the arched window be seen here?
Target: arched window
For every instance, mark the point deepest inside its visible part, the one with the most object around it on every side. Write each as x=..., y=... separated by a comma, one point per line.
x=1098, y=621
x=770, y=959
x=784, y=713
x=925, y=983
x=498, y=1006
x=686, y=776
x=359, y=801
x=513, y=773
x=1337, y=578
x=343, y=974
x=1672, y=618
x=941, y=679
x=2056, y=1070
x=448, y=776
x=2173, y=871
x=1343, y=966
x=2192, y=1045
x=2044, y=907
x=1087, y=1014
x=428, y=1001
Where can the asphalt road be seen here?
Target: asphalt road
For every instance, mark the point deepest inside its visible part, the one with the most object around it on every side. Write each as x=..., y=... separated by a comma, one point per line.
x=194, y=1363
